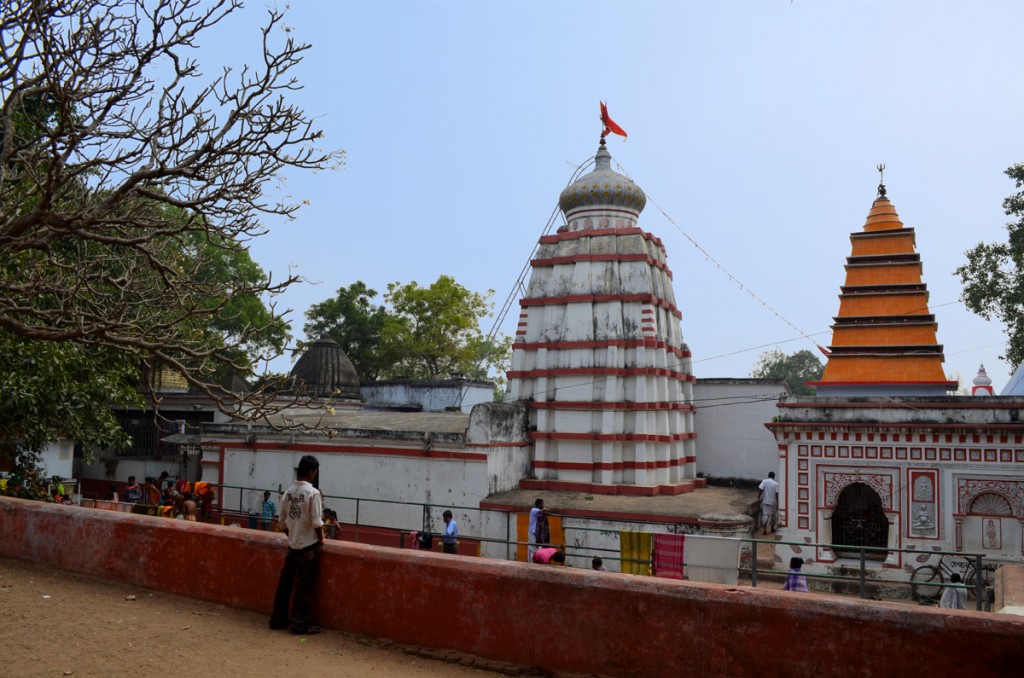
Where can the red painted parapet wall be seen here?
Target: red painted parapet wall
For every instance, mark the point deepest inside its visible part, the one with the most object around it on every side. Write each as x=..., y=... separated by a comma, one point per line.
x=560, y=619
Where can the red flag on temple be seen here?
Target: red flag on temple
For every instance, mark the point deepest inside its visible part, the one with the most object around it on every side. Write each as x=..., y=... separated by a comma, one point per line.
x=609, y=125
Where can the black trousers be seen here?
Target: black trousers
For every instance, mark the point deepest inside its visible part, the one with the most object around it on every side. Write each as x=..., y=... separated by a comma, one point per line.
x=450, y=548
x=299, y=571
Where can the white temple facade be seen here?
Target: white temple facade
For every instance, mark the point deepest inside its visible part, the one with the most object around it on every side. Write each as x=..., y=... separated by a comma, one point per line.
x=599, y=357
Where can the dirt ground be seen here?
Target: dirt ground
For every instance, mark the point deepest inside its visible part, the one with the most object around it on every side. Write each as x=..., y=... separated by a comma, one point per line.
x=56, y=623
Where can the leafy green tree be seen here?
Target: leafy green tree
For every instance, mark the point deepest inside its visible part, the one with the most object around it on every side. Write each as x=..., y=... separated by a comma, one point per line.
x=993, y=277
x=129, y=180
x=438, y=327
x=419, y=332
x=794, y=369
x=24, y=479
x=242, y=320
x=358, y=325
x=493, y=355
x=51, y=390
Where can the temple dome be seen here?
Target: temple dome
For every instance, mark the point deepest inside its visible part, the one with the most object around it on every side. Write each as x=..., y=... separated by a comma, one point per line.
x=982, y=383
x=603, y=187
x=326, y=371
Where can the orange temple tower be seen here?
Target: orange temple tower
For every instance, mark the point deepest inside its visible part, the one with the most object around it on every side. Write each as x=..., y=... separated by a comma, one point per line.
x=884, y=338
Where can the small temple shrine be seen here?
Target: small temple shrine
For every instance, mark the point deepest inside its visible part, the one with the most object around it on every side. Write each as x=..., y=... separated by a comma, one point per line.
x=885, y=457
x=599, y=358
x=884, y=338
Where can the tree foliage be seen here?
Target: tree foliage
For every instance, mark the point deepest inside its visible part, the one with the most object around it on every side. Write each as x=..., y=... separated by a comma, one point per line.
x=52, y=390
x=129, y=183
x=993, y=277
x=794, y=369
x=24, y=479
x=419, y=332
x=359, y=326
x=438, y=327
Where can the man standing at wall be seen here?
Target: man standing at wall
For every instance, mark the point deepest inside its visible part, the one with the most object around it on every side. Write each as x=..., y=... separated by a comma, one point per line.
x=301, y=519
x=769, y=497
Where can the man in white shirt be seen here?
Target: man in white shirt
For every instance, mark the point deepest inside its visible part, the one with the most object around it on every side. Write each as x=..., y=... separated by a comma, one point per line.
x=954, y=597
x=769, y=497
x=301, y=519
x=450, y=538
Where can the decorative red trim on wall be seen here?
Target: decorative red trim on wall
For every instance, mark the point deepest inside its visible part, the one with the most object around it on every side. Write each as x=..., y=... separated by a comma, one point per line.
x=587, y=405
x=606, y=343
x=572, y=259
x=607, y=466
x=782, y=426
x=497, y=444
x=621, y=437
x=622, y=490
x=335, y=448
x=593, y=371
x=598, y=298
x=599, y=232
x=968, y=404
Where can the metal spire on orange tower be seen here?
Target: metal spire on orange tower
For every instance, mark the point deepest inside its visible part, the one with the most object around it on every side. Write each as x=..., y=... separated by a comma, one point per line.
x=884, y=337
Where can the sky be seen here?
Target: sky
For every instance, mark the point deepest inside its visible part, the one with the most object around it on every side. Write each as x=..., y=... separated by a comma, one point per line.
x=755, y=129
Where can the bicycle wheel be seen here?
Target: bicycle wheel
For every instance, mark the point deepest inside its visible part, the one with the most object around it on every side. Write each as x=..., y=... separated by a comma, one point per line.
x=970, y=581
x=923, y=583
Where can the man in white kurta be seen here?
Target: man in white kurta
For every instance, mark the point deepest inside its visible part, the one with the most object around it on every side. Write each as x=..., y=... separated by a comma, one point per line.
x=769, y=497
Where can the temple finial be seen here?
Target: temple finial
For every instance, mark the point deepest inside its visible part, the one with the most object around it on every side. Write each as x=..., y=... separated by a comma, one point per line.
x=881, y=180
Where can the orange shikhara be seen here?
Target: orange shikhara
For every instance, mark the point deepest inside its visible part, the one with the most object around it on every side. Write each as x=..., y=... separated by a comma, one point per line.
x=884, y=337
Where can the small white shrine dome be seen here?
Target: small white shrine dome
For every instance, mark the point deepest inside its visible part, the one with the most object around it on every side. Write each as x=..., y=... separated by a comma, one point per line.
x=982, y=383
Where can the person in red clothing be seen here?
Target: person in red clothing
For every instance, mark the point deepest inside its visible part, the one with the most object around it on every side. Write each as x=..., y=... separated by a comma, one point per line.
x=205, y=495
x=548, y=555
x=152, y=493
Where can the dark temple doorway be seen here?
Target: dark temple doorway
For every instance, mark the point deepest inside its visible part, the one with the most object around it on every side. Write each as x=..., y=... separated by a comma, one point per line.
x=859, y=520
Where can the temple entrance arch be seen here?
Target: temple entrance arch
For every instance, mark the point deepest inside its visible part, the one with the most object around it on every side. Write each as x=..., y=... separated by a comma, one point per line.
x=859, y=520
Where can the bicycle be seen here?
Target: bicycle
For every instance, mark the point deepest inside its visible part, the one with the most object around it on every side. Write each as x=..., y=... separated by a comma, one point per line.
x=926, y=581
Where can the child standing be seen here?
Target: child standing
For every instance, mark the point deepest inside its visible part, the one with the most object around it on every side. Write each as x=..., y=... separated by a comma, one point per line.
x=795, y=580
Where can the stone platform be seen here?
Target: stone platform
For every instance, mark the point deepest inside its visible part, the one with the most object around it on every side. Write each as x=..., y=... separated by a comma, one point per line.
x=701, y=505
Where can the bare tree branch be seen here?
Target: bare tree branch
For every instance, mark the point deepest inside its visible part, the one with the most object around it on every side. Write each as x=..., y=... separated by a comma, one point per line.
x=124, y=171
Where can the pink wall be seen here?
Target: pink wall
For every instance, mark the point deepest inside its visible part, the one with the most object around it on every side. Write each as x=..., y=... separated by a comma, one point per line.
x=559, y=619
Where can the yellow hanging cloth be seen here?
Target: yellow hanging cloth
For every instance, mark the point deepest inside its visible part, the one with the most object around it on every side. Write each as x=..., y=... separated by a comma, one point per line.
x=635, y=551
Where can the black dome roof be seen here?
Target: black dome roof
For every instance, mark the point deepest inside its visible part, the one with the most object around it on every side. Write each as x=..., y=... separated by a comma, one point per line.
x=326, y=371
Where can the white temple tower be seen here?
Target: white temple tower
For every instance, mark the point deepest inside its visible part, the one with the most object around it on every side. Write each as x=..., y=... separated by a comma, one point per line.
x=599, y=356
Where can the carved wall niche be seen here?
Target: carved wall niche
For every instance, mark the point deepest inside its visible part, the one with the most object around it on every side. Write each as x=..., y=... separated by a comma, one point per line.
x=923, y=511
x=970, y=489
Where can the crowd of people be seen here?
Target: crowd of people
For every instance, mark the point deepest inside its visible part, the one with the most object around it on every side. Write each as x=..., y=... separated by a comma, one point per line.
x=170, y=498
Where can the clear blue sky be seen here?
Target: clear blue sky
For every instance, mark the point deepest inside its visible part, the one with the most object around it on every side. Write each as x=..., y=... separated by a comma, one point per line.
x=756, y=126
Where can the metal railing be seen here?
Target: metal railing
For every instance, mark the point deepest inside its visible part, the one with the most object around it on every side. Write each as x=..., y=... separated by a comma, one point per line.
x=353, y=512
x=975, y=568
